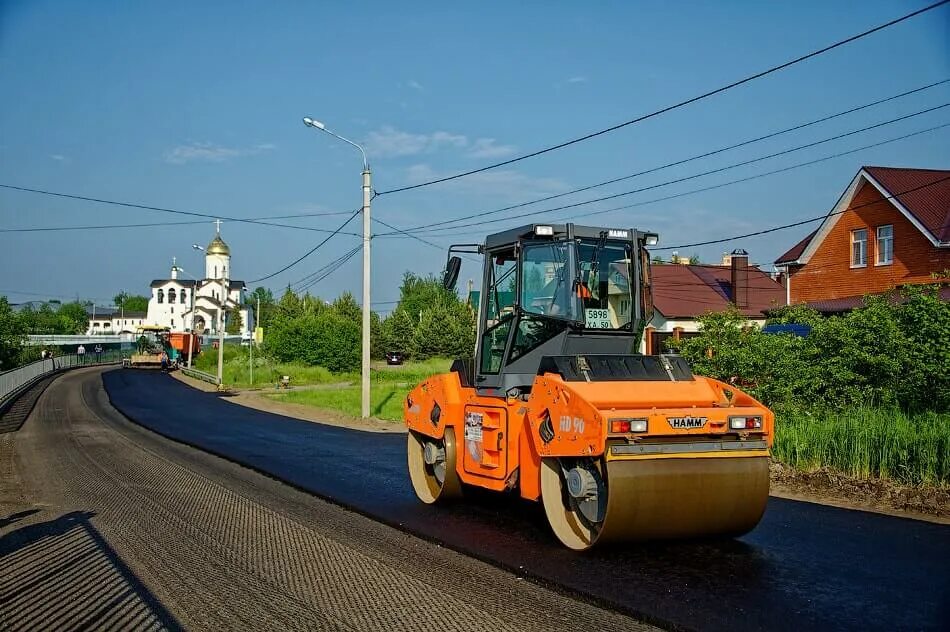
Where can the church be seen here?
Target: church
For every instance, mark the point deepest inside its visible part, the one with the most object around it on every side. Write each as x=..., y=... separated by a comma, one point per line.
x=197, y=305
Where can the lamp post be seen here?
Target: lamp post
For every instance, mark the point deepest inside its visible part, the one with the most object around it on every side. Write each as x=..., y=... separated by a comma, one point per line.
x=223, y=304
x=367, y=195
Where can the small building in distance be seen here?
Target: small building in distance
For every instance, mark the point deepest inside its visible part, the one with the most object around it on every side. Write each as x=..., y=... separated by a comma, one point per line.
x=114, y=321
x=683, y=293
x=890, y=228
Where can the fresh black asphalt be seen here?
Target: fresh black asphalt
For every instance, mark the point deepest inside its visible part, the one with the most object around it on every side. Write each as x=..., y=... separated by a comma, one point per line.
x=805, y=566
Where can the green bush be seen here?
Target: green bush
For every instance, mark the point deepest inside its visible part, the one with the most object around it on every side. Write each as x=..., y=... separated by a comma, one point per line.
x=888, y=353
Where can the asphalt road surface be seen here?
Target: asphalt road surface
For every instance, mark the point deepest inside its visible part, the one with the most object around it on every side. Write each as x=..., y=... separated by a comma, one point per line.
x=105, y=525
x=805, y=566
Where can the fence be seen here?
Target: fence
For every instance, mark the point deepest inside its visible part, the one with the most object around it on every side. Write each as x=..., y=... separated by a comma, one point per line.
x=14, y=380
x=200, y=375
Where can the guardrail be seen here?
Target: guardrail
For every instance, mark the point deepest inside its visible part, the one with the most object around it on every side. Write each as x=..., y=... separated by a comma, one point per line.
x=15, y=380
x=200, y=375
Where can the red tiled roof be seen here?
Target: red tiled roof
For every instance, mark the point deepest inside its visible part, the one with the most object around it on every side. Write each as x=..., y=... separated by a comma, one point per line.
x=681, y=291
x=930, y=205
x=796, y=251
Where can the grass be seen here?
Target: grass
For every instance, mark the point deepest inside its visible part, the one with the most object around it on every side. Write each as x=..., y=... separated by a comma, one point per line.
x=867, y=442
x=385, y=399
x=389, y=387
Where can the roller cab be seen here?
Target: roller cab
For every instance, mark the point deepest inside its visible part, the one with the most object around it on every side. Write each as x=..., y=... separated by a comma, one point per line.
x=556, y=407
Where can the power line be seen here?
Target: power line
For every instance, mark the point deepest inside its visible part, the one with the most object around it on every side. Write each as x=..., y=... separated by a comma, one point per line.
x=336, y=265
x=312, y=250
x=36, y=229
x=315, y=273
x=684, y=160
x=675, y=106
x=731, y=182
x=802, y=222
x=160, y=209
x=689, y=177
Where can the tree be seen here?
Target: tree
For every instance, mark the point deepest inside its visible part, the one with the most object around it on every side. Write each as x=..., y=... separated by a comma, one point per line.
x=694, y=260
x=398, y=333
x=234, y=323
x=418, y=293
x=264, y=298
x=72, y=318
x=12, y=336
x=130, y=302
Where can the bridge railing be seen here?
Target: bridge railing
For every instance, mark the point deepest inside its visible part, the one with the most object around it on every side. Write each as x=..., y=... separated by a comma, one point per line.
x=12, y=381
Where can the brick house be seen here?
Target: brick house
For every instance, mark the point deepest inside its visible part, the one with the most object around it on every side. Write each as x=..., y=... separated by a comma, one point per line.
x=890, y=227
x=683, y=293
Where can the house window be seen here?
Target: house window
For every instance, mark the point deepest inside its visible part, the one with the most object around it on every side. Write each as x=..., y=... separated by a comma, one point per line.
x=885, y=245
x=859, y=248
x=161, y=296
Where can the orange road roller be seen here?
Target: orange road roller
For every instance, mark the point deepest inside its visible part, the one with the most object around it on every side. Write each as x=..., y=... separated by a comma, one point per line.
x=558, y=405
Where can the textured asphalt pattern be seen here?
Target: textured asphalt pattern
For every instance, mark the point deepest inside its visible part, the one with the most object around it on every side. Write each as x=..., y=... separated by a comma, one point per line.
x=106, y=525
x=805, y=566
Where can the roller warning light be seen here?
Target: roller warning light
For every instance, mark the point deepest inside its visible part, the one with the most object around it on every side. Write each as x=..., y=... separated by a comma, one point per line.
x=559, y=407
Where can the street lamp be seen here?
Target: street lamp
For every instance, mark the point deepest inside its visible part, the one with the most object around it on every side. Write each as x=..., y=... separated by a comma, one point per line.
x=367, y=188
x=223, y=304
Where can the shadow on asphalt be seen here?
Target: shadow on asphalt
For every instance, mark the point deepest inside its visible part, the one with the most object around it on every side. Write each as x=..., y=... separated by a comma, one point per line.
x=62, y=574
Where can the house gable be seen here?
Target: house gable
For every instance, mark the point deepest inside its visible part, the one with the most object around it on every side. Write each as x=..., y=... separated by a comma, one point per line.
x=825, y=271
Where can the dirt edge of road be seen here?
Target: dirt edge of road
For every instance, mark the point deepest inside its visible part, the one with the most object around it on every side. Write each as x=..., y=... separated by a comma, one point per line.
x=824, y=486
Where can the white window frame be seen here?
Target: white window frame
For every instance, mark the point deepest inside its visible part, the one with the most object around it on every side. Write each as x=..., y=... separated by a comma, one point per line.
x=889, y=240
x=854, y=242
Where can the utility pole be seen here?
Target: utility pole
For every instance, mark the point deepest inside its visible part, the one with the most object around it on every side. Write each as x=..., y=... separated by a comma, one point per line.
x=191, y=339
x=221, y=309
x=367, y=197
x=254, y=339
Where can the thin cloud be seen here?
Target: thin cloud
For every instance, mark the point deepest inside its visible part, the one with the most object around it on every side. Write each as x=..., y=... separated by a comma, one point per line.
x=577, y=79
x=59, y=157
x=210, y=152
x=415, y=85
x=502, y=183
x=488, y=148
x=389, y=142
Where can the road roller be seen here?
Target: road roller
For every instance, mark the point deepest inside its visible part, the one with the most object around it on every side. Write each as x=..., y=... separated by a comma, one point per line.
x=558, y=404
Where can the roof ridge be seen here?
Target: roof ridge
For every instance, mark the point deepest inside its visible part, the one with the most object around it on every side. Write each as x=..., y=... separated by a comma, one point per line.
x=904, y=168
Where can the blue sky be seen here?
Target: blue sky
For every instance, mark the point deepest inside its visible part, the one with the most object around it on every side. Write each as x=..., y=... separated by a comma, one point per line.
x=199, y=108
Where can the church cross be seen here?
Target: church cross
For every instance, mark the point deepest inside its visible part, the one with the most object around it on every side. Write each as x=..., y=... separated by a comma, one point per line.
x=217, y=226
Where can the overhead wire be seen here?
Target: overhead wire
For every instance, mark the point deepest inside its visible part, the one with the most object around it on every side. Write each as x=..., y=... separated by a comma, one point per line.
x=802, y=222
x=674, y=106
x=34, y=229
x=683, y=161
x=312, y=250
x=696, y=175
x=160, y=209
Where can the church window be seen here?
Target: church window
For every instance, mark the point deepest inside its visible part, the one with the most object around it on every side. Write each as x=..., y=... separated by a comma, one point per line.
x=161, y=296
x=216, y=272
x=171, y=295
x=184, y=296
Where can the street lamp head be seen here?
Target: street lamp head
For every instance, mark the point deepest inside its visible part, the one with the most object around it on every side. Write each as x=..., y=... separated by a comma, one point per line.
x=309, y=122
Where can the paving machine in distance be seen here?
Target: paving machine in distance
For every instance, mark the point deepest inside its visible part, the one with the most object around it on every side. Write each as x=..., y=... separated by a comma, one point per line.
x=559, y=406
x=154, y=341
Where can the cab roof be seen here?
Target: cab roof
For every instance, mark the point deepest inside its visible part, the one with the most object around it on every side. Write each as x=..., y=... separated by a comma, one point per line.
x=562, y=231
